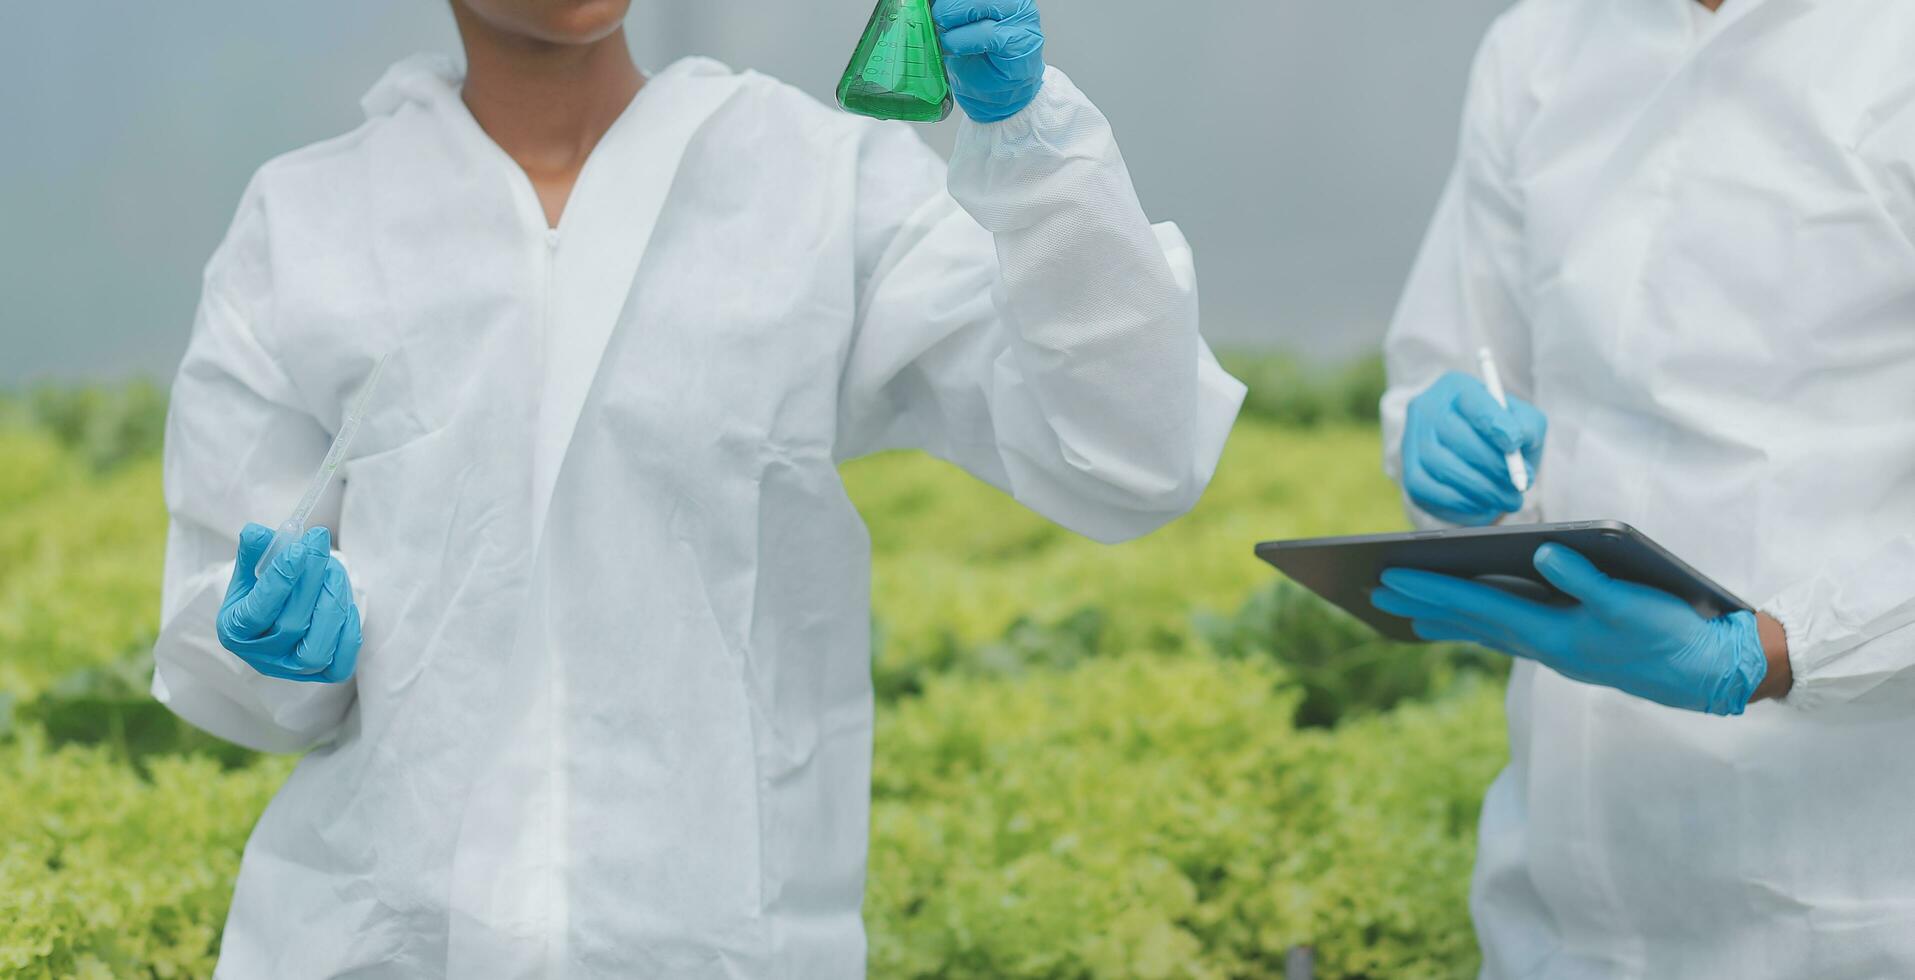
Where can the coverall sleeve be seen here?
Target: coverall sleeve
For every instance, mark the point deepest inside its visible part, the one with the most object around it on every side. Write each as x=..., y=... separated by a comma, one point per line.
x=238, y=447
x=1851, y=626
x=1465, y=289
x=1026, y=322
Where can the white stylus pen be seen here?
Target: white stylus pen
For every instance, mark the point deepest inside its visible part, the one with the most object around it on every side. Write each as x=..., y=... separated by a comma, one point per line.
x=1493, y=380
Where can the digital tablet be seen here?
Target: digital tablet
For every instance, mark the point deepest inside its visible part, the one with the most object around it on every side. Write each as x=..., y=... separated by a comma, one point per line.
x=1346, y=570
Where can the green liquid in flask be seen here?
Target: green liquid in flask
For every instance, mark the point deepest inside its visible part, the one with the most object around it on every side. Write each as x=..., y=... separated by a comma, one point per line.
x=898, y=70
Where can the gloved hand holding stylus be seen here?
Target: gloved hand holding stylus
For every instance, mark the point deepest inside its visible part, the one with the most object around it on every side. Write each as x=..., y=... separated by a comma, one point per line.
x=295, y=619
x=1455, y=442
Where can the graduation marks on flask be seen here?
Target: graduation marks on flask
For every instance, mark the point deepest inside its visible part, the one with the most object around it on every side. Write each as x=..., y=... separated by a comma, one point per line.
x=897, y=71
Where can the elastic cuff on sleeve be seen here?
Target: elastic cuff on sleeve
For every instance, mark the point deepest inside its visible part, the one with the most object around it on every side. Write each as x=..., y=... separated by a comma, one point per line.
x=1804, y=691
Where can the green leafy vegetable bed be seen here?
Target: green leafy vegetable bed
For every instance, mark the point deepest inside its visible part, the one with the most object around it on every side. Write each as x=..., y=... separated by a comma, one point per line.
x=1159, y=817
x=1142, y=761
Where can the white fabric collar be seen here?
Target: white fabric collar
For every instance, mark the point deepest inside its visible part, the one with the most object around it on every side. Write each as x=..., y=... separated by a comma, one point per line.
x=432, y=77
x=606, y=228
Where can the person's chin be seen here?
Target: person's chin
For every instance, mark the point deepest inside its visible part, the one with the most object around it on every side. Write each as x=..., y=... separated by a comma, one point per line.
x=582, y=21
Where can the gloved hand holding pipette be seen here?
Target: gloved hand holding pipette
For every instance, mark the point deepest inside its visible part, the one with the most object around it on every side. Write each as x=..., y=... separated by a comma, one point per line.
x=289, y=611
x=295, y=619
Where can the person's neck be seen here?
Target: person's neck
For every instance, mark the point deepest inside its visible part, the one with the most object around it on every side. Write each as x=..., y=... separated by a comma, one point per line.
x=547, y=105
x=1713, y=5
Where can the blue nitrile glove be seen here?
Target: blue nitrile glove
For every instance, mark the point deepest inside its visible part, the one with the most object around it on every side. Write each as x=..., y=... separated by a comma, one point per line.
x=1454, y=440
x=297, y=621
x=1636, y=639
x=994, y=50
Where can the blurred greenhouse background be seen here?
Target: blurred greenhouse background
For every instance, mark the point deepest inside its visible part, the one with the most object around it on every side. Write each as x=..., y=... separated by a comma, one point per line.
x=1300, y=143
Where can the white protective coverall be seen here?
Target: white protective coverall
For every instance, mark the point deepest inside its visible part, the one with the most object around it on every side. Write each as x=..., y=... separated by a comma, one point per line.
x=1689, y=240
x=613, y=715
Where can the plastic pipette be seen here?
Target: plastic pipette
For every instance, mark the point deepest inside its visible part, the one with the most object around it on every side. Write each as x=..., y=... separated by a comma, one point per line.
x=294, y=527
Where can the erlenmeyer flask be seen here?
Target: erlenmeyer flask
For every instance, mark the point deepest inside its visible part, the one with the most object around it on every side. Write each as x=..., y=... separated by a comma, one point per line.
x=898, y=70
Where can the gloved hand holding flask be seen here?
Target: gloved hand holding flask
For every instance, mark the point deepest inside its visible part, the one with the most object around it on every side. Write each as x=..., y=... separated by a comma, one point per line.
x=914, y=56
x=994, y=51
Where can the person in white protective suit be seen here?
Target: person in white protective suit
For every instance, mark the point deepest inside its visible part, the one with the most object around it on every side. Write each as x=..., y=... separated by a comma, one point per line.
x=608, y=602
x=1689, y=235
